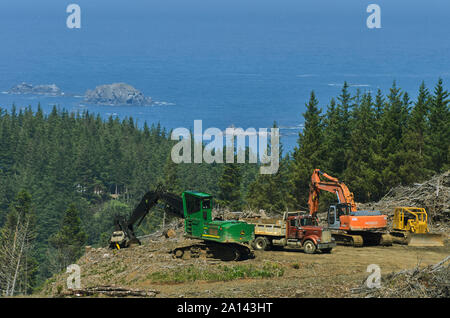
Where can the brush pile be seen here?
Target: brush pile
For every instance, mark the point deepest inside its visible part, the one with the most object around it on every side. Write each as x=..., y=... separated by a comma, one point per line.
x=429, y=282
x=433, y=195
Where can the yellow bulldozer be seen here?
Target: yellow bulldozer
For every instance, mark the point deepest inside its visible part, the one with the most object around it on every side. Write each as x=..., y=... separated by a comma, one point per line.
x=410, y=226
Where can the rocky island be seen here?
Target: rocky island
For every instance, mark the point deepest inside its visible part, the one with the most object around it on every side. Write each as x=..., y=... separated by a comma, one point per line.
x=25, y=88
x=117, y=94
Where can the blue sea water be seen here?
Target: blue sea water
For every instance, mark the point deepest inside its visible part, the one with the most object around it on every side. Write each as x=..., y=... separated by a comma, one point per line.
x=245, y=63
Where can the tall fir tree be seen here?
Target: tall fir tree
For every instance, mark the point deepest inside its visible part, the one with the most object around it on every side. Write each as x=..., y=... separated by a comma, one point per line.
x=229, y=195
x=307, y=155
x=269, y=192
x=360, y=174
x=69, y=241
x=438, y=137
x=414, y=167
x=393, y=122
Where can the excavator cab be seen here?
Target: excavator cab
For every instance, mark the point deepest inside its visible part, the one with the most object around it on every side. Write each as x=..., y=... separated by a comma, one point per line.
x=335, y=212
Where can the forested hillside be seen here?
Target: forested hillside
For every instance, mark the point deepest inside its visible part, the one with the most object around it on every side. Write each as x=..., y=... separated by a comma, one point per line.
x=64, y=176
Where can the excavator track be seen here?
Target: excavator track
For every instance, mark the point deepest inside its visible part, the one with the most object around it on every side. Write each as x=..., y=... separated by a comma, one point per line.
x=221, y=251
x=359, y=239
x=348, y=239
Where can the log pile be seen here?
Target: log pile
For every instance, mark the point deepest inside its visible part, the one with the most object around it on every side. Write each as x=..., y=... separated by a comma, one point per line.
x=110, y=291
x=429, y=282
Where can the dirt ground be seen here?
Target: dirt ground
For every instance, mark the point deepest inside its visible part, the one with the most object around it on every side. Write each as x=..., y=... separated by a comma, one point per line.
x=319, y=275
x=303, y=275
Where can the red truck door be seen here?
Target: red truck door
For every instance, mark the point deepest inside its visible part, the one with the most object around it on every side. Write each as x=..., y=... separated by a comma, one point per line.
x=293, y=230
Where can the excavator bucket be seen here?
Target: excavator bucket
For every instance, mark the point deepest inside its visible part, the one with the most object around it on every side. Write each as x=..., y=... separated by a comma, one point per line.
x=427, y=239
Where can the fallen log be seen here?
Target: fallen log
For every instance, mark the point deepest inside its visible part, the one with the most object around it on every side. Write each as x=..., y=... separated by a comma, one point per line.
x=111, y=291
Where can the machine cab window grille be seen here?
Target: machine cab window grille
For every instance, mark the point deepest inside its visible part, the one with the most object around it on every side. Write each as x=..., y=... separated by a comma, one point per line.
x=193, y=204
x=331, y=214
x=206, y=204
x=343, y=209
x=306, y=222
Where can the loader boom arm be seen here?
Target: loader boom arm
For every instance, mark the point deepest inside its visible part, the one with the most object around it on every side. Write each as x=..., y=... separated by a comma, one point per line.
x=174, y=204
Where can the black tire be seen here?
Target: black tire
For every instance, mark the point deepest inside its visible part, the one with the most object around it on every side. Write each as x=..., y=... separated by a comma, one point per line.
x=326, y=250
x=178, y=253
x=309, y=247
x=261, y=244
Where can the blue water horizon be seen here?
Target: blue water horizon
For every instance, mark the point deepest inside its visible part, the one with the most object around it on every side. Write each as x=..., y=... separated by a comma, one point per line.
x=229, y=63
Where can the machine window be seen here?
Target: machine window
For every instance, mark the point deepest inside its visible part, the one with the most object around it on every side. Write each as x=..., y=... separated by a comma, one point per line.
x=192, y=204
x=306, y=222
x=206, y=204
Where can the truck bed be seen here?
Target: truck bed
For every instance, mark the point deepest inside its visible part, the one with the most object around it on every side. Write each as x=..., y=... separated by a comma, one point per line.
x=269, y=227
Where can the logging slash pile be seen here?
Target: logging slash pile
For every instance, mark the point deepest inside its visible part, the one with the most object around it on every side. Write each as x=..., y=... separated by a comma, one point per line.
x=433, y=195
x=429, y=282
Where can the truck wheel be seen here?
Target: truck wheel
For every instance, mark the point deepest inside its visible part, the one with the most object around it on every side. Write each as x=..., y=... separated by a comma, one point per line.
x=309, y=247
x=261, y=244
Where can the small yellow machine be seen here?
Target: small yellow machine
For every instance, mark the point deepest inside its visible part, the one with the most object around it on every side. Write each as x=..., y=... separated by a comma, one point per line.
x=410, y=226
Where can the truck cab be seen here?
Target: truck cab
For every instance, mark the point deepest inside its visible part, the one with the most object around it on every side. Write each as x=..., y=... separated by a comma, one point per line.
x=303, y=230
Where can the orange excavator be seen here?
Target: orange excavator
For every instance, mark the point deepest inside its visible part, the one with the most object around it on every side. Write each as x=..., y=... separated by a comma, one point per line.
x=348, y=225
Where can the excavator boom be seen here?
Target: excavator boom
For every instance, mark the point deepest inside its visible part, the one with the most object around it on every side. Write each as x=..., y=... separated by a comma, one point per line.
x=332, y=185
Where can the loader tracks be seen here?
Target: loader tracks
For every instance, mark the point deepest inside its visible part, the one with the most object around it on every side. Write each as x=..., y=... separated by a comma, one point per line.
x=221, y=251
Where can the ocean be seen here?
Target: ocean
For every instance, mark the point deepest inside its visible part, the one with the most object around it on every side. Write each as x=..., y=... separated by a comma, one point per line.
x=229, y=63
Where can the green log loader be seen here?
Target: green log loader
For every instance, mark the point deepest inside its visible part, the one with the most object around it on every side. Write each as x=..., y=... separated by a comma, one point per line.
x=225, y=240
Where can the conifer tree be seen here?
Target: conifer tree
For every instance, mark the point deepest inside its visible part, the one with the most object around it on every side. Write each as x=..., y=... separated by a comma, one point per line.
x=170, y=176
x=230, y=187
x=68, y=242
x=270, y=191
x=307, y=155
x=360, y=174
x=393, y=123
x=438, y=136
x=415, y=160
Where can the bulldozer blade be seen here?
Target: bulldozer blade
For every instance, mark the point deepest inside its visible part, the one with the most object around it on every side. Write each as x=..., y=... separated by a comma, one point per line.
x=426, y=240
